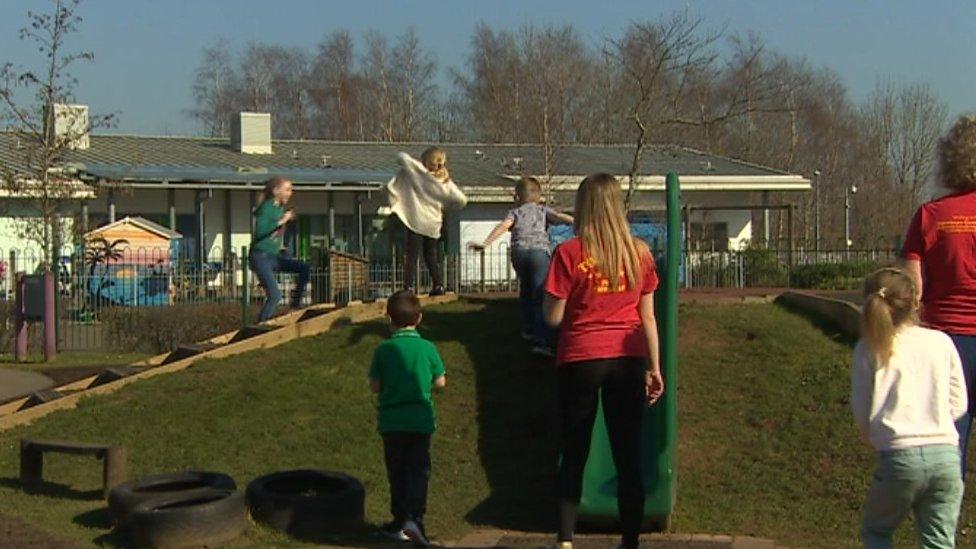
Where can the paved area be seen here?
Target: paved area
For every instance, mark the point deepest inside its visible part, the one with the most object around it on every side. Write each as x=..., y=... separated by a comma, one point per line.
x=18, y=383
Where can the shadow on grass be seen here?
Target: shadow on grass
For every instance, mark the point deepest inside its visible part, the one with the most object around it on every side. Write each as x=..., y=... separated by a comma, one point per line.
x=51, y=489
x=825, y=325
x=101, y=519
x=516, y=411
x=96, y=519
x=362, y=331
x=517, y=417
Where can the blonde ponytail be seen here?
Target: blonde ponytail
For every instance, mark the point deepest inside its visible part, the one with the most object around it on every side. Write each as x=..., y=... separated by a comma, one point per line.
x=602, y=227
x=889, y=303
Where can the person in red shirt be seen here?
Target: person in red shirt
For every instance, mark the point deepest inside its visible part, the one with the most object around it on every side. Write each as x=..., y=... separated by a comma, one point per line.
x=600, y=293
x=940, y=254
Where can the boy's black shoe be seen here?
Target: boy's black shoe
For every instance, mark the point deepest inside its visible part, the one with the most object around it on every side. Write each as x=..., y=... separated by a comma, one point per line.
x=438, y=290
x=394, y=531
x=414, y=529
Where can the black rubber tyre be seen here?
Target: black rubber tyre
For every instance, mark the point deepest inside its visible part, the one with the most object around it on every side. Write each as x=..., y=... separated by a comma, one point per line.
x=306, y=501
x=204, y=517
x=125, y=497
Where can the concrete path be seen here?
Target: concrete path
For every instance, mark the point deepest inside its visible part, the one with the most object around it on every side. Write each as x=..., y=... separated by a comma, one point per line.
x=18, y=383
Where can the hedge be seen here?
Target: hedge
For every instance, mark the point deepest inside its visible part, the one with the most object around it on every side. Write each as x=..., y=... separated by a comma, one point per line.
x=848, y=275
x=161, y=329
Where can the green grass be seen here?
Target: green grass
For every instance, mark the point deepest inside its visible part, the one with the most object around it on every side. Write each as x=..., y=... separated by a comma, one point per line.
x=71, y=360
x=766, y=444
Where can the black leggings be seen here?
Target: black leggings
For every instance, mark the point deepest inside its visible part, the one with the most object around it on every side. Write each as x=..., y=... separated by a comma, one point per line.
x=415, y=244
x=621, y=382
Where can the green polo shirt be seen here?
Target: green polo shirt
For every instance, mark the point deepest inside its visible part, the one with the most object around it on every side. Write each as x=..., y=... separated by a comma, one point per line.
x=267, y=235
x=406, y=366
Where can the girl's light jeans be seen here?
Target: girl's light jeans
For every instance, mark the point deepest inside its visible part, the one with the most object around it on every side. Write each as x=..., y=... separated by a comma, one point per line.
x=923, y=480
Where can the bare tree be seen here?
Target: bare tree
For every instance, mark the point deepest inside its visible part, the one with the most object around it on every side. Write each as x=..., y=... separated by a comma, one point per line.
x=379, y=92
x=664, y=63
x=44, y=130
x=492, y=87
x=906, y=123
x=413, y=73
x=335, y=92
x=450, y=121
x=213, y=88
x=656, y=61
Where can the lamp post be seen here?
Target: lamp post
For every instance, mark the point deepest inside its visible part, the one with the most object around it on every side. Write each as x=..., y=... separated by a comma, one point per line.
x=816, y=210
x=848, y=191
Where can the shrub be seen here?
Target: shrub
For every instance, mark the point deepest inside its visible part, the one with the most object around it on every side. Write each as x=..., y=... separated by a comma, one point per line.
x=847, y=275
x=763, y=268
x=162, y=329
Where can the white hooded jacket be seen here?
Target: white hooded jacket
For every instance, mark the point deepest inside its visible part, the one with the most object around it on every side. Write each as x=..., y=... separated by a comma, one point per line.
x=419, y=199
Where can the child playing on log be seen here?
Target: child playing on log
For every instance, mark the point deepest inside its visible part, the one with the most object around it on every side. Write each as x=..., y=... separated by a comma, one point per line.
x=528, y=222
x=418, y=195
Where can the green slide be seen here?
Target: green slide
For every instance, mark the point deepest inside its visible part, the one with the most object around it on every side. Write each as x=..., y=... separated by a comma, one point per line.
x=598, y=504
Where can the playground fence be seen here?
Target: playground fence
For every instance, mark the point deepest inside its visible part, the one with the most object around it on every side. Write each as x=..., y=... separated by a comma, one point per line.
x=97, y=291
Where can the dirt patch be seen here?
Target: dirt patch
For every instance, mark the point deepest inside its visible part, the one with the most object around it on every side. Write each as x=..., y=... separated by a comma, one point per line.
x=600, y=542
x=16, y=533
x=729, y=295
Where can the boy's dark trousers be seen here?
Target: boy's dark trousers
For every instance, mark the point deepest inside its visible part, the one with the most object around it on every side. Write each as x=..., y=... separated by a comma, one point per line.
x=408, y=470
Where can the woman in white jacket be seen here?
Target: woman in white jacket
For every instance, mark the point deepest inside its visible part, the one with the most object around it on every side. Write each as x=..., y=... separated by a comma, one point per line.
x=907, y=390
x=418, y=195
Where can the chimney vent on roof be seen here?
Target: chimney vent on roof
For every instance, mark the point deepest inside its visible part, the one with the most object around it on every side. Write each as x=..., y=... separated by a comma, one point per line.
x=250, y=132
x=67, y=125
x=326, y=161
x=294, y=154
x=479, y=154
x=517, y=162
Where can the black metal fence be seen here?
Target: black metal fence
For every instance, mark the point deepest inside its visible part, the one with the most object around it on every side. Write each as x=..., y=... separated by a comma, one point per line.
x=772, y=268
x=99, y=292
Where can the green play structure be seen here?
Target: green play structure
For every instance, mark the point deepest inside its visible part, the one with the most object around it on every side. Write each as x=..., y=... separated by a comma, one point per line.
x=598, y=505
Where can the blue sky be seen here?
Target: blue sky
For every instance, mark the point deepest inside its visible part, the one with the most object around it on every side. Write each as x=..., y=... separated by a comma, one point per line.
x=146, y=51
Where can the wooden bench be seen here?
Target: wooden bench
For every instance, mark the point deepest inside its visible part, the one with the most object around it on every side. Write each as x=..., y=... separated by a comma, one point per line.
x=32, y=461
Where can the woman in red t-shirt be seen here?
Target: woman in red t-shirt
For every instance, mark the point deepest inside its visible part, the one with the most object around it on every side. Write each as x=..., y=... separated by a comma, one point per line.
x=607, y=344
x=940, y=253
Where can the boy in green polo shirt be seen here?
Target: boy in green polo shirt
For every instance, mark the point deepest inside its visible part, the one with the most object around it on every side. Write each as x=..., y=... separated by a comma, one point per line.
x=404, y=369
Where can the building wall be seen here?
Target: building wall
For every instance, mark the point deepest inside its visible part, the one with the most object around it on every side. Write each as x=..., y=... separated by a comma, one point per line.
x=473, y=223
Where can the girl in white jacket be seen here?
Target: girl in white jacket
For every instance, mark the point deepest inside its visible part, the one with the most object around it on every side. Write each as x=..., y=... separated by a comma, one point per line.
x=907, y=391
x=418, y=195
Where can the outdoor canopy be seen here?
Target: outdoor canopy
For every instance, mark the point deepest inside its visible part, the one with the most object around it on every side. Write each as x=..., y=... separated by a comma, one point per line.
x=220, y=176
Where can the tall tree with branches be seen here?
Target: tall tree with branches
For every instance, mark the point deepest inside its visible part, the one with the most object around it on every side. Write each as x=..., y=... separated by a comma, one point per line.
x=661, y=62
x=44, y=131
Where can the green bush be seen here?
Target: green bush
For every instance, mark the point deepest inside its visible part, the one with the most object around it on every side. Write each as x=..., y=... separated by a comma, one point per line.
x=161, y=329
x=847, y=275
x=763, y=268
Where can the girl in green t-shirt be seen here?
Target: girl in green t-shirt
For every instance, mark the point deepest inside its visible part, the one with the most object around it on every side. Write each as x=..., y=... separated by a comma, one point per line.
x=268, y=256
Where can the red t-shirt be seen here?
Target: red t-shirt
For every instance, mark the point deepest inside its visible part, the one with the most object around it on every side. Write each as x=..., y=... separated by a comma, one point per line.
x=598, y=323
x=943, y=237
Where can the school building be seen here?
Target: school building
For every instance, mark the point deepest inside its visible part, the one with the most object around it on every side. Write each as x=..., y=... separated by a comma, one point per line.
x=205, y=188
